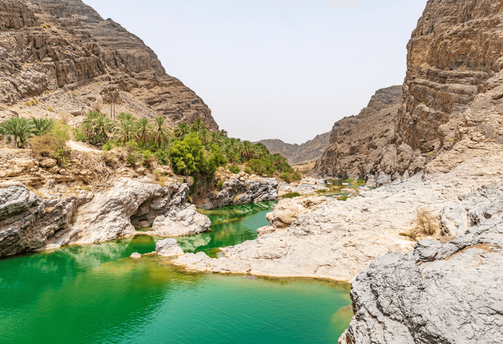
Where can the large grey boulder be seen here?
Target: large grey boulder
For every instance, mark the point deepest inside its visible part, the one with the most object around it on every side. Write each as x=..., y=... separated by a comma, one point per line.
x=179, y=223
x=450, y=293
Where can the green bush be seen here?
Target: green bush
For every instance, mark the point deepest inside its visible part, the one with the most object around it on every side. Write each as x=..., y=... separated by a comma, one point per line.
x=187, y=156
x=131, y=158
x=234, y=169
x=147, y=158
x=107, y=146
x=287, y=177
x=220, y=185
x=162, y=157
x=248, y=170
x=261, y=166
x=80, y=135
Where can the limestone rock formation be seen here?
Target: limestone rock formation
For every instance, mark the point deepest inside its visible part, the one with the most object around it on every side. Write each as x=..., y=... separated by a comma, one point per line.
x=288, y=210
x=340, y=239
x=310, y=150
x=237, y=191
x=29, y=222
x=70, y=60
x=438, y=293
x=168, y=248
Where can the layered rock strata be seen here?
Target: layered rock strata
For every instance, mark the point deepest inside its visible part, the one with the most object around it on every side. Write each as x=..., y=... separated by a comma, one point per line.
x=54, y=49
x=340, y=239
x=437, y=293
x=29, y=222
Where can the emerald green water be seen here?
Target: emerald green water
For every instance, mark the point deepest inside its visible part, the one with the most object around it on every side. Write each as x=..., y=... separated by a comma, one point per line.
x=97, y=294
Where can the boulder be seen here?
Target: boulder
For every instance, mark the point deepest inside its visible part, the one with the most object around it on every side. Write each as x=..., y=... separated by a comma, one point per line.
x=168, y=248
x=48, y=163
x=135, y=255
x=180, y=223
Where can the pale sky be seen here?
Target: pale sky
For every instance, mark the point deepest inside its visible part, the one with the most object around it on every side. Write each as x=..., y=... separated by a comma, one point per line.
x=285, y=69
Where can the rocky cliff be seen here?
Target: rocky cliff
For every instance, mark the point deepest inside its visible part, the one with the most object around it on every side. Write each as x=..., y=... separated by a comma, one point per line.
x=452, y=98
x=70, y=60
x=365, y=144
x=295, y=153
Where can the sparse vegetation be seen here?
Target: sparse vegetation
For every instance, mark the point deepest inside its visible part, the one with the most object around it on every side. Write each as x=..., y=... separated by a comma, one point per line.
x=234, y=169
x=291, y=195
x=425, y=224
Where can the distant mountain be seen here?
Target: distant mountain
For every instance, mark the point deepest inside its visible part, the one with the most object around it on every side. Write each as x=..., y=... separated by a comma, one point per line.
x=295, y=153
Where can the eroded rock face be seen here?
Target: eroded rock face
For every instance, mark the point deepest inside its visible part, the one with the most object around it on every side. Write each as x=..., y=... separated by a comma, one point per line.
x=27, y=221
x=364, y=145
x=288, y=210
x=241, y=191
x=58, y=46
x=437, y=293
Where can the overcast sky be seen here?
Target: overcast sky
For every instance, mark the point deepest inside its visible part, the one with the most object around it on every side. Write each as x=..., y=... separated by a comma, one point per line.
x=285, y=70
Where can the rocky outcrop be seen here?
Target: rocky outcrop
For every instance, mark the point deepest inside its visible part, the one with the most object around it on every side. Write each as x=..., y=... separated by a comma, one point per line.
x=437, y=293
x=240, y=190
x=295, y=153
x=29, y=222
x=340, y=239
x=71, y=60
x=288, y=210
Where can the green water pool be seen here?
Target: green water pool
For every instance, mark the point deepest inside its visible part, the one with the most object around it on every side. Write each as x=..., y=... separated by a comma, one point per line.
x=97, y=294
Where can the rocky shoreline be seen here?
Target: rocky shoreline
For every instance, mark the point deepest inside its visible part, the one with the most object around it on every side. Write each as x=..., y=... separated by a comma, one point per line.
x=338, y=240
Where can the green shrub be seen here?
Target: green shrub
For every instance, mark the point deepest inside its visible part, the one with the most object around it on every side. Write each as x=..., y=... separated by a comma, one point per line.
x=291, y=195
x=62, y=156
x=47, y=145
x=42, y=126
x=147, y=158
x=287, y=177
x=131, y=159
x=234, y=169
x=261, y=166
x=220, y=185
x=107, y=146
x=187, y=156
x=162, y=157
x=248, y=170
x=80, y=135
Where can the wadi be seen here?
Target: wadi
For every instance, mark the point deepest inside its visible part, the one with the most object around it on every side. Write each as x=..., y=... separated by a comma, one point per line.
x=127, y=215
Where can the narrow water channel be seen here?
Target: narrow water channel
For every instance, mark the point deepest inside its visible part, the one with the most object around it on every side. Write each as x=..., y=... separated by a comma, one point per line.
x=97, y=294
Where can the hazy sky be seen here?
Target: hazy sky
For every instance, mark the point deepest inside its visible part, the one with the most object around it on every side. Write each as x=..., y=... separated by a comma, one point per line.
x=282, y=69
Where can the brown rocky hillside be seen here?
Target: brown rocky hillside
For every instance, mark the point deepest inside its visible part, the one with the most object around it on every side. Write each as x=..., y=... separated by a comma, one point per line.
x=295, y=153
x=452, y=104
x=67, y=59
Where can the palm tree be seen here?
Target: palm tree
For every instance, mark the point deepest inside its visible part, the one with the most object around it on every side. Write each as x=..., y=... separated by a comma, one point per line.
x=224, y=133
x=42, y=126
x=247, y=150
x=216, y=138
x=162, y=134
x=181, y=130
x=125, y=131
x=197, y=125
x=204, y=135
x=125, y=116
x=144, y=129
x=260, y=151
x=21, y=128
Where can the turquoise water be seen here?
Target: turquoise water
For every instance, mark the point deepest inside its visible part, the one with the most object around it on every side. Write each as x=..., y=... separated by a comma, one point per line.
x=229, y=226
x=97, y=294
